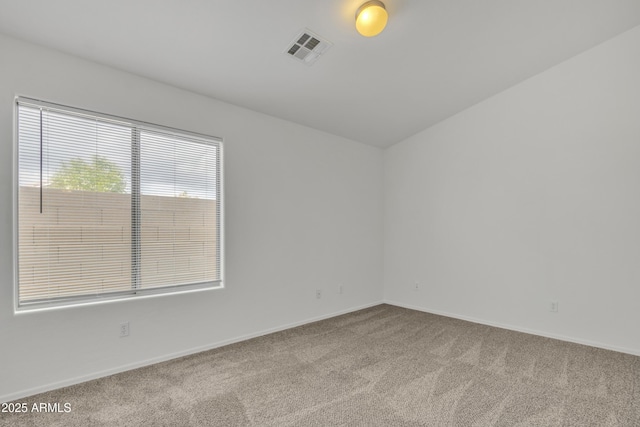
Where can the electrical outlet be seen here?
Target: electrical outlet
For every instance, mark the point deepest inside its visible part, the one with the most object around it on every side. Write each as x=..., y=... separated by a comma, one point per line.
x=124, y=329
x=340, y=289
x=553, y=306
x=416, y=286
x=318, y=293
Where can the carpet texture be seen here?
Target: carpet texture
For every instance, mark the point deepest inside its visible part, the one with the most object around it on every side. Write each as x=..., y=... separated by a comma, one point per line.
x=383, y=366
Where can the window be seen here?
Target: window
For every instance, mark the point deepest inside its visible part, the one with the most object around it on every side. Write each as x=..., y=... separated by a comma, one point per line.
x=112, y=208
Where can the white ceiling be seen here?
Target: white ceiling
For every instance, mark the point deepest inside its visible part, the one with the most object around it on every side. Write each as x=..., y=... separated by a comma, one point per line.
x=434, y=59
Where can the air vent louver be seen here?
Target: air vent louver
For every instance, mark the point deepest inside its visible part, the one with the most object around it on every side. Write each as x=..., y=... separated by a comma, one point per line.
x=307, y=47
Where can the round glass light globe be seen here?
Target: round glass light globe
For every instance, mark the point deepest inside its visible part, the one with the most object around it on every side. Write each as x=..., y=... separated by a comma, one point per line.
x=371, y=20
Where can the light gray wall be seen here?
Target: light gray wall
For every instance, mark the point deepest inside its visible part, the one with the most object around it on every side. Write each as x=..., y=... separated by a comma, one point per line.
x=303, y=212
x=530, y=196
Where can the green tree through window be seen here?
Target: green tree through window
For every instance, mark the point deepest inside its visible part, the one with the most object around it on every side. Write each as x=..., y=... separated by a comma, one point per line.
x=99, y=175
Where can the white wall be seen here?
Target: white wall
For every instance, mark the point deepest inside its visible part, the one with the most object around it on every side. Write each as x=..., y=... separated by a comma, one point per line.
x=303, y=211
x=530, y=196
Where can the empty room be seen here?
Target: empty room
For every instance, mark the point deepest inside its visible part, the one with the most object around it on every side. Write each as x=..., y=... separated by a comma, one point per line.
x=320, y=213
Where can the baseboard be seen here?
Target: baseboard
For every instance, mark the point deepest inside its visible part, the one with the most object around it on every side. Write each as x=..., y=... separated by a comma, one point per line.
x=84, y=378
x=518, y=329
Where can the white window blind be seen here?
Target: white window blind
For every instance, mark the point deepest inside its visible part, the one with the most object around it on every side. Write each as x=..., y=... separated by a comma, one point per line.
x=110, y=207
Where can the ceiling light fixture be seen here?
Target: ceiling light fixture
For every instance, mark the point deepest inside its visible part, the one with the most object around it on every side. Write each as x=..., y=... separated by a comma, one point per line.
x=371, y=18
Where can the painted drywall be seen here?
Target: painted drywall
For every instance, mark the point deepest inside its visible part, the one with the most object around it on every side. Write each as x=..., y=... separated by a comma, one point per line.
x=303, y=212
x=529, y=197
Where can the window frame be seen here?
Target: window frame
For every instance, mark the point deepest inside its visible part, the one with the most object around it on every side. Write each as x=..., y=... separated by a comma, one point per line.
x=135, y=292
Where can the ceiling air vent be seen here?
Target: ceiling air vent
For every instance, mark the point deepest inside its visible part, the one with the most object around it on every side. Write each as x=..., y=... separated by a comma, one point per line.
x=307, y=47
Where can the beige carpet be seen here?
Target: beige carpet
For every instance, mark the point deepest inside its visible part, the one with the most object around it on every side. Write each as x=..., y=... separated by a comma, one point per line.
x=383, y=366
